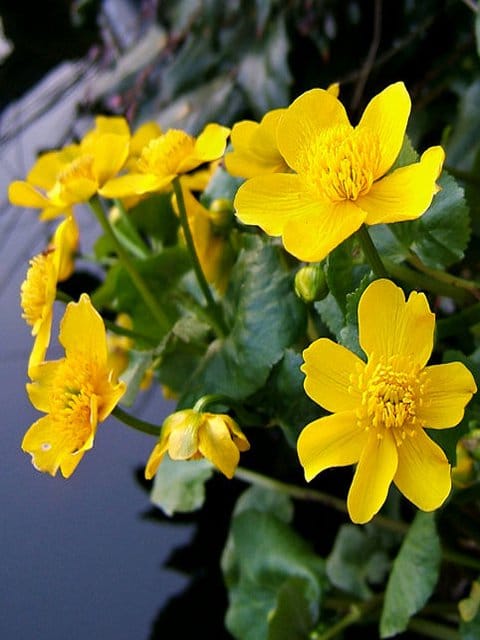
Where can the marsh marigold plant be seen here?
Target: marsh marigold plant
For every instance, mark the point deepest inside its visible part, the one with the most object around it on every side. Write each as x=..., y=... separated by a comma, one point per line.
x=381, y=407
x=339, y=175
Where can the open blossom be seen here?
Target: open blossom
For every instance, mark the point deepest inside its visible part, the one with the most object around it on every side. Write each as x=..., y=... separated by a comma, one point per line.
x=76, y=393
x=190, y=435
x=61, y=179
x=165, y=157
x=255, y=150
x=339, y=175
x=381, y=408
x=38, y=290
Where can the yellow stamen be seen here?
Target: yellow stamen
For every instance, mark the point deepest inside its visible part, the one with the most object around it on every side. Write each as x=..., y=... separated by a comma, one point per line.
x=164, y=154
x=34, y=289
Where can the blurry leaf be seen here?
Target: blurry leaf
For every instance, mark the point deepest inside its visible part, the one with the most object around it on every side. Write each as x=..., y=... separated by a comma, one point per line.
x=263, y=73
x=477, y=31
x=469, y=628
x=462, y=144
x=190, y=66
x=271, y=561
x=291, y=407
x=293, y=618
x=265, y=316
x=221, y=185
x=413, y=576
x=408, y=155
x=179, y=485
x=138, y=364
x=331, y=314
x=358, y=559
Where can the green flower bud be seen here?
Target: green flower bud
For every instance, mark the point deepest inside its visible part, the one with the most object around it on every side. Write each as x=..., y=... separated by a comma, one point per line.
x=221, y=213
x=310, y=283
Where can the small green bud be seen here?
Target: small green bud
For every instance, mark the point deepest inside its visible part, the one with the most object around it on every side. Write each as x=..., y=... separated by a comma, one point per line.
x=221, y=213
x=310, y=283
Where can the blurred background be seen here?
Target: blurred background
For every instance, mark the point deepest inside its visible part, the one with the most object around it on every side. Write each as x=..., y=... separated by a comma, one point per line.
x=91, y=557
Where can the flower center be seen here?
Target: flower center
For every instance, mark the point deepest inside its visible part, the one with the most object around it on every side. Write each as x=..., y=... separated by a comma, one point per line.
x=34, y=289
x=163, y=155
x=393, y=390
x=81, y=167
x=342, y=163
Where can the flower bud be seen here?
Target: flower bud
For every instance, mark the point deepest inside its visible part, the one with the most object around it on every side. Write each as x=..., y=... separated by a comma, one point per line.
x=310, y=283
x=221, y=213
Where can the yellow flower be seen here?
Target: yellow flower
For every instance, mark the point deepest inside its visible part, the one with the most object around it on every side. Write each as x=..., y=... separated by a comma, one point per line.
x=190, y=434
x=76, y=392
x=61, y=179
x=213, y=249
x=38, y=290
x=171, y=154
x=255, y=150
x=340, y=178
x=381, y=408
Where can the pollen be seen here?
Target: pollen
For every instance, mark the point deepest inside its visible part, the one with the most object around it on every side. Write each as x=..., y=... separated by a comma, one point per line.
x=163, y=155
x=392, y=391
x=34, y=289
x=342, y=163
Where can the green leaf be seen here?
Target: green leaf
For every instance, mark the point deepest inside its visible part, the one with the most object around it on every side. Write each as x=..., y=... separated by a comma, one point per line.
x=339, y=272
x=462, y=143
x=292, y=409
x=138, y=364
x=293, y=617
x=477, y=31
x=271, y=561
x=179, y=486
x=265, y=316
x=221, y=185
x=444, y=230
x=413, y=576
x=331, y=314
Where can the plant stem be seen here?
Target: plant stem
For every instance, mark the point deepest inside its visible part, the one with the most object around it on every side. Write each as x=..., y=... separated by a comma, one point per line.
x=202, y=281
x=443, y=276
x=129, y=266
x=356, y=611
x=301, y=493
x=137, y=246
x=136, y=423
x=433, y=629
x=371, y=252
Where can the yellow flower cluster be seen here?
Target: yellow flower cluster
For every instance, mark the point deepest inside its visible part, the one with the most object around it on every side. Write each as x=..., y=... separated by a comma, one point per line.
x=312, y=179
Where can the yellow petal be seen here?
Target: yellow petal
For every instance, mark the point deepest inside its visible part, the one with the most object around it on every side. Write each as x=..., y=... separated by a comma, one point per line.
x=52, y=446
x=328, y=367
x=269, y=201
x=82, y=331
x=423, y=473
x=302, y=121
x=112, y=124
x=237, y=434
x=142, y=137
x=110, y=152
x=375, y=471
x=215, y=443
x=320, y=228
x=23, y=194
x=209, y=145
x=406, y=193
x=42, y=340
x=184, y=434
x=449, y=388
x=134, y=183
x=40, y=391
x=390, y=326
x=386, y=115
x=109, y=396
x=46, y=169
x=332, y=441
x=156, y=458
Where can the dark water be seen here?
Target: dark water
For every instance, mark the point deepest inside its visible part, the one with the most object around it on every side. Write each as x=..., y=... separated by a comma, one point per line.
x=79, y=559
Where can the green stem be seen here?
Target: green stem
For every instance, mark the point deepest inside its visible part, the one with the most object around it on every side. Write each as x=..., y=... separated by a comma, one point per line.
x=213, y=398
x=137, y=245
x=202, y=281
x=136, y=423
x=371, y=252
x=443, y=276
x=301, y=493
x=421, y=281
x=356, y=611
x=433, y=629
x=129, y=266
